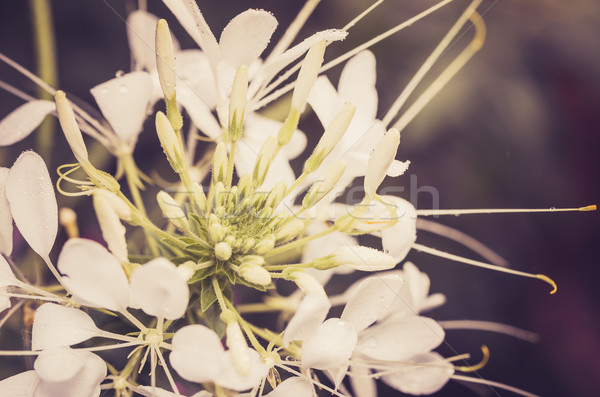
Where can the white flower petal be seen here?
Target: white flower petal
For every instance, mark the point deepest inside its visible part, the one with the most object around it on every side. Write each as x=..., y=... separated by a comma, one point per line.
x=19, y=385
x=190, y=17
x=294, y=386
x=357, y=85
x=380, y=160
x=400, y=339
x=6, y=222
x=93, y=275
x=398, y=239
x=141, y=32
x=124, y=103
x=371, y=300
x=33, y=206
x=57, y=326
x=230, y=378
x=324, y=100
x=85, y=382
x=246, y=36
x=60, y=364
x=197, y=354
x=363, y=384
x=397, y=168
x=199, y=112
x=194, y=73
x=159, y=289
x=23, y=120
x=310, y=314
x=421, y=379
x=7, y=277
x=330, y=346
x=363, y=258
x=147, y=391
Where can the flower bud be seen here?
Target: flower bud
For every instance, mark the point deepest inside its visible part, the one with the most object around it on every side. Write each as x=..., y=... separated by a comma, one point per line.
x=223, y=251
x=363, y=258
x=320, y=188
x=219, y=169
x=290, y=230
x=68, y=123
x=165, y=66
x=171, y=210
x=308, y=74
x=216, y=232
x=248, y=244
x=263, y=161
x=380, y=160
x=333, y=133
x=307, y=283
x=165, y=59
x=276, y=194
x=169, y=142
x=199, y=196
x=237, y=103
x=255, y=274
x=265, y=245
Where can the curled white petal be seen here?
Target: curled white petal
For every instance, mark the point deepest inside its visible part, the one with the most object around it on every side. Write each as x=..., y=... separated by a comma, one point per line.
x=197, y=354
x=421, y=374
x=294, y=386
x=231, y=378
x=400, y=339
x=371, y=301
x=330, y=346
x=159, y=289
x=69, y=373
x=310, y=314
x=380, y=160
x=93, y=275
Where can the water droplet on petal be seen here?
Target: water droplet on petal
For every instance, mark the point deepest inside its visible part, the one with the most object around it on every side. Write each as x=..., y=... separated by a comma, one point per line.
x=123, y=90
x=119, y=74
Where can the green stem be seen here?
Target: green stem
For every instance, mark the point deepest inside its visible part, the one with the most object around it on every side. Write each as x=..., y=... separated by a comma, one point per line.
x=45, y=48
x=300, y=242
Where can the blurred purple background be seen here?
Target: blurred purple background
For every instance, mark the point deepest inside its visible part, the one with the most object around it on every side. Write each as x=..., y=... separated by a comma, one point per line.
x=519, y=127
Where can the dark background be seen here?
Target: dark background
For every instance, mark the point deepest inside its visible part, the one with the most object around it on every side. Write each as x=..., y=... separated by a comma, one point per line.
x=517, y=128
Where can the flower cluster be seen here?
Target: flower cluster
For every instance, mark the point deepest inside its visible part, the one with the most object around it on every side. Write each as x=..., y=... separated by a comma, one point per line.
x=143, y=319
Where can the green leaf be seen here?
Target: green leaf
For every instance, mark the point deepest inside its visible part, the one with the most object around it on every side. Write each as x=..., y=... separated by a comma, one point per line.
x=208, y=296
x=201, y=275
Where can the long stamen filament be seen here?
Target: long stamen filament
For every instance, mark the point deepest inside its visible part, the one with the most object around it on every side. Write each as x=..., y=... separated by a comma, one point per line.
x=472, y=262
x=438, y=212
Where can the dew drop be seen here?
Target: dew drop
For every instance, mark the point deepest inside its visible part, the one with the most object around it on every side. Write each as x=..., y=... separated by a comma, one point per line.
x=123, y=90
x=119, y=74
x=104, y=91
x=552, y=208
